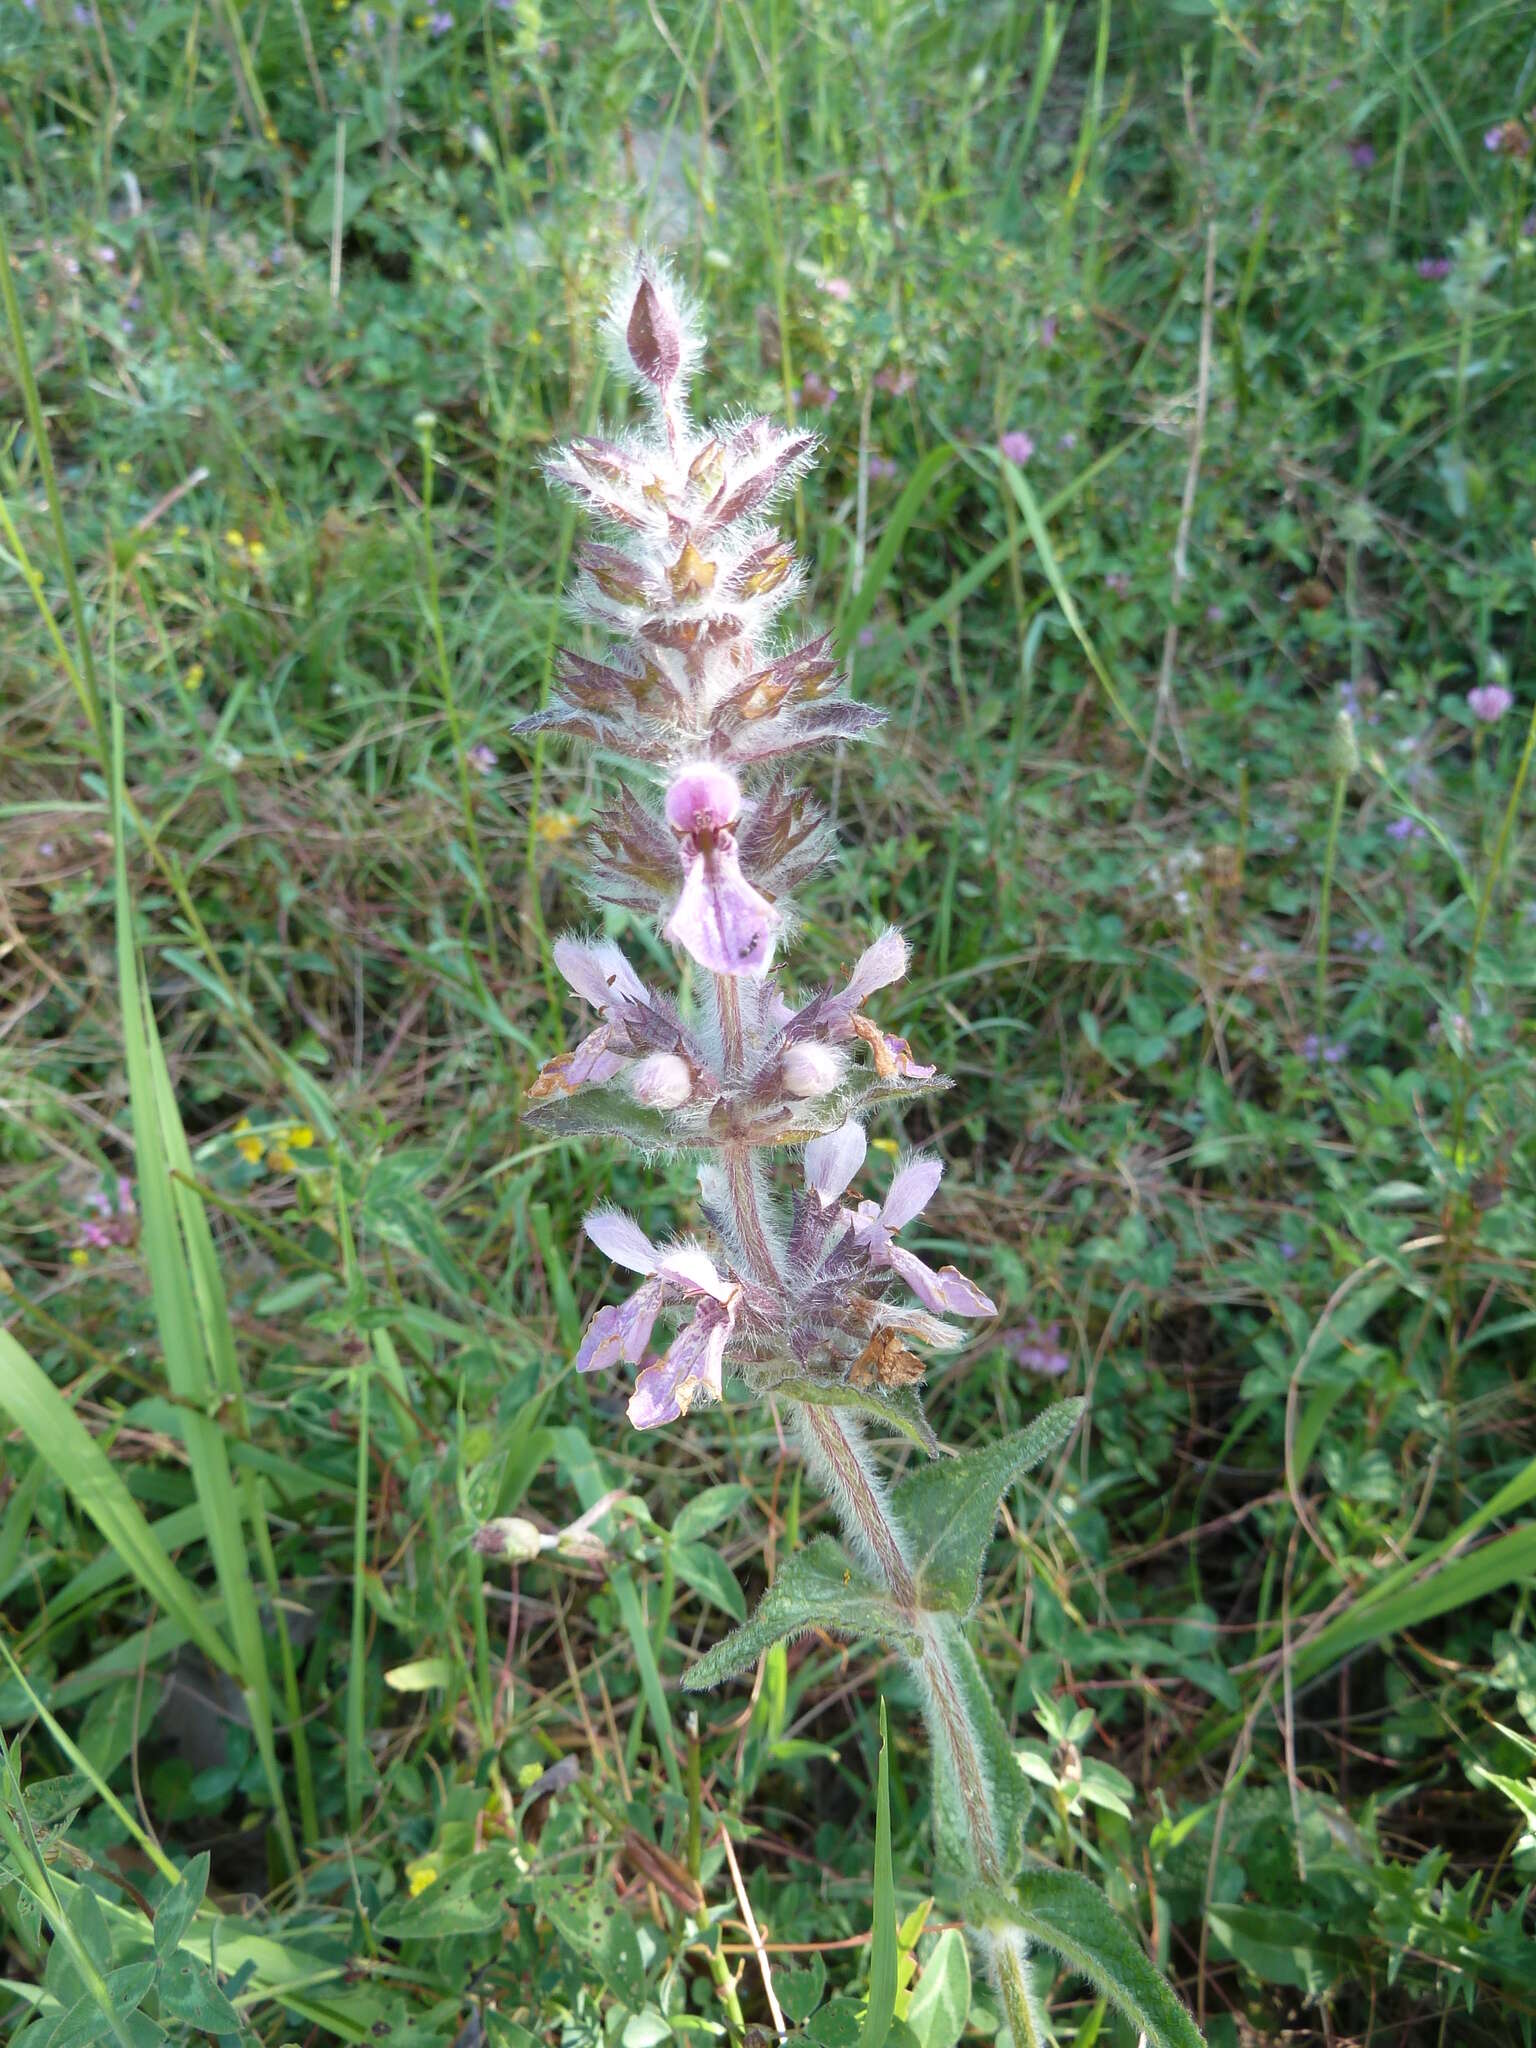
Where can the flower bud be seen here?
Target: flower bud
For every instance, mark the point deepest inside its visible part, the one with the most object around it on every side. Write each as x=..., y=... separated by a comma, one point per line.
x=811, y=1070
x=662, y=1080
x=1344, y=748
x=510, y=1539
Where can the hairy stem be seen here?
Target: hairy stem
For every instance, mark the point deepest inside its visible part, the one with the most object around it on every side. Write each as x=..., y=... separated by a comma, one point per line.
x=835, y=1445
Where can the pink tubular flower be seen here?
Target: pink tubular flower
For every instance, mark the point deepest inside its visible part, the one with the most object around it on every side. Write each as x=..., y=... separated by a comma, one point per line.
x=1017, y=446
x=691, y=1367
x=1489, y=702
x=725, y=923
x=874, y=1229
x=601, y=976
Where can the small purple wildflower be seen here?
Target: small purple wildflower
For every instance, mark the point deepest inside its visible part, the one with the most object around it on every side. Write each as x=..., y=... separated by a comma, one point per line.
x=481, y=757
x=439, y=21
x=726, y=924
x=1036, y=1349
x=1117, y=581
x=1048, y=331
x=1493, y=139
x=1067, y=440
x=1405, y=829
x=1286, y=1249
x=81, y=14
x=1363, y=155
x=897, y=382
x=1433, y=268
x=1017, y=446
x=1489, y=702
x=1330, y=1050
x=106, y=253
x=882, y=469
x=866, y=636
x=815, y=391
x=837, y=288
x=114, y=1221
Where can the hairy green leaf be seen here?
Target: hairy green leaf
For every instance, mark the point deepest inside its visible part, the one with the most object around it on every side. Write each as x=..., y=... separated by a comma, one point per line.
x=1071, y=1917
x=948, y=1510
x=817, y=1587
x=900, y=1411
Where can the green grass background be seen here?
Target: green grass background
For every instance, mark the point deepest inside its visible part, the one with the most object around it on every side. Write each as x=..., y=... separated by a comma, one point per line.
x=1240, y=1024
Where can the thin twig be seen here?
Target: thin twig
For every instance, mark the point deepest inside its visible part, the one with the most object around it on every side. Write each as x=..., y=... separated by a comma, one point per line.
x=1164, y=708
x=753, y=1933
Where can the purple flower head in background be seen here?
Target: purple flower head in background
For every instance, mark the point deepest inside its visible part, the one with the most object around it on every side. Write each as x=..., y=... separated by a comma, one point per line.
x=1489, y=702
x=725, y=923
x=816, y=392
x=439, y=21
x=481, y=757
x=1362, y=155
x=882, y=469
x=680, y=1276
x=1017, y=446
x=1406, y=828
x=1036, y=1349
x=1433, y=268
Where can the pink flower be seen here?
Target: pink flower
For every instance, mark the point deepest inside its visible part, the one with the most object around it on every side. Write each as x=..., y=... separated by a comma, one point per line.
x=874, y=1229
x=682, y=1273
x=816, y=391
x=1489, y=702
x=837, y=288
x=725, y=923
x=481, y=757
x=1017, y=446
x=897, y=382
x=1036, y=1349
x=604, y=978
x=831, y=1163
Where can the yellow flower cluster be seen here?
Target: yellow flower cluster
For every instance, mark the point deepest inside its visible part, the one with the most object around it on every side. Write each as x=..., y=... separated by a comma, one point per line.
x=275, y=1145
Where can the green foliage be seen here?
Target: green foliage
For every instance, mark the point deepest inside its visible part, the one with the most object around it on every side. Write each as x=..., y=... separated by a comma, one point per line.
x=948, y=1509
x=819, y=1587
x=1285, y=1567
x=1066, y=1914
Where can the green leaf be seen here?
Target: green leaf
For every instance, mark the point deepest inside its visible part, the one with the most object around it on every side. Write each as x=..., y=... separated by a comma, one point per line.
x=881, y=2009
x=817, y=1587
x=800, y=1991
x=948, y=1510
x=57, y=1435
x=601, y=1113
x=1071, y=1917
x=707, y=1510
x=467, y=1900
x=941, y=2002
x=189, y=1991
x=178, y=1909
x=901, y=1411
x=709, y=1574
x=1004, y=1792
x=1280, y=1947
x=422, y=1674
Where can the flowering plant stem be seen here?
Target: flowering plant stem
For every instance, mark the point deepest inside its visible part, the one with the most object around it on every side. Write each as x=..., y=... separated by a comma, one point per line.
x=800, y=1299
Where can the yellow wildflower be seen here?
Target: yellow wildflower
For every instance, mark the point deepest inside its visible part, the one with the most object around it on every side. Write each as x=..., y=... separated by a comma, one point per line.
x=554, y=826
x=298, y=1137
x=79, y=1256
x=234, y=539
x=247, y=1144
x=280, y=1159
x=421, y=1873
x=193, y=677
